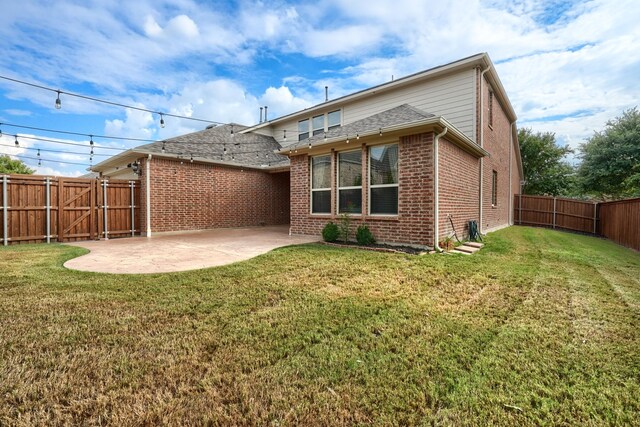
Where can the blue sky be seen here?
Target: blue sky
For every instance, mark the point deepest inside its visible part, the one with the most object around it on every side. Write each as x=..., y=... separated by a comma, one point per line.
x=568, y=67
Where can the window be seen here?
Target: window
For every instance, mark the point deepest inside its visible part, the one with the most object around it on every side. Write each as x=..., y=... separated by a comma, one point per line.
x=321, y=184
x=494, y=189
x=318, y=124
x=350, y=182
x=383, y=180
x=491, y=108
x=303, y=129
x=333, y=119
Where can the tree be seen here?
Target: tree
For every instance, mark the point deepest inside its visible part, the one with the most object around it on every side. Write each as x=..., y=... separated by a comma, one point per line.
x=545, y=171
x=610, y=167
x=8, y=165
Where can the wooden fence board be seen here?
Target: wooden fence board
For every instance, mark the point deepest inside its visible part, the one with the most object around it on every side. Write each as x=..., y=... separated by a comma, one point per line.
x=618, y=221
x=75, y=209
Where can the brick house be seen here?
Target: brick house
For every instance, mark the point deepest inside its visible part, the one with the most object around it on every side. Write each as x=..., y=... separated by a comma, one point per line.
x=407, y=158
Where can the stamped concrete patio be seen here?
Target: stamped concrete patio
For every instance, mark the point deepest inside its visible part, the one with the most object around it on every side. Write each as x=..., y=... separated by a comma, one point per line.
x=182, y=251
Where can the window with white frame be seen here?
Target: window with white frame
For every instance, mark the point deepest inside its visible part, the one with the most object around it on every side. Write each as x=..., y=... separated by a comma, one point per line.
x=321, y=184
x=303, y=129
x=350, y=182
x=494, y=188
x=317, y=124
x=383, y=180
x=333, y=119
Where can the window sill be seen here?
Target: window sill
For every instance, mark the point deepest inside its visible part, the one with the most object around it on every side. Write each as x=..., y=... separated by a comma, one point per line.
x=382, y=218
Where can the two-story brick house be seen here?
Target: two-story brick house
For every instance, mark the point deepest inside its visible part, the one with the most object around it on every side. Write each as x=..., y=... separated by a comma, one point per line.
x=407, y=157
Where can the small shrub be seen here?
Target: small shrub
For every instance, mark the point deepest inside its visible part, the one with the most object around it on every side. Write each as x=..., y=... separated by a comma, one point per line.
x=345, y=226
x=330, y=232
x=364, y=236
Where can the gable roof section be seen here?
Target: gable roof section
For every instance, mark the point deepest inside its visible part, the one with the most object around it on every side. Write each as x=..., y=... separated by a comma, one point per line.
x=480, y=60
x=402, y=120
x=208, y=145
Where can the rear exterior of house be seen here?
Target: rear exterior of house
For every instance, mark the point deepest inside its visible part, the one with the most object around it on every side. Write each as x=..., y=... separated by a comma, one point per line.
x=409, y=158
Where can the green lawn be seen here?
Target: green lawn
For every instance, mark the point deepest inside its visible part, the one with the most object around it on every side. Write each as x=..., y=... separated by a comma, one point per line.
x=540, y=327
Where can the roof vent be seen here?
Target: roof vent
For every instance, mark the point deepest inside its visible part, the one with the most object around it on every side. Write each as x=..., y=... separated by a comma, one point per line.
x=211, y=126
x=260, y=115
x=265, y=113
x=326, y=93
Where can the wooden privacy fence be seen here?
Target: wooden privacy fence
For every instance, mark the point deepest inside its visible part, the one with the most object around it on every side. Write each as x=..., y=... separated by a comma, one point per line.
x=618, y=221
x=40, y=209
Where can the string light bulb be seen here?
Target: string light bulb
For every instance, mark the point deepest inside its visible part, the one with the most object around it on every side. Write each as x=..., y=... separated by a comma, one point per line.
x=325, y=137
x=92, y=151
x=309, y=145
x=224, y=149
x=38, y=152
x=357, y=136
x=191, y=160
x=0, y=130
x=39, y=162
x=163, y=146
x=91, y=140
x=17, y=143
x=161, y=121
x=285, y=134
x=232, y=133
x=58, y=102
x=380, y=131
x=347, y=139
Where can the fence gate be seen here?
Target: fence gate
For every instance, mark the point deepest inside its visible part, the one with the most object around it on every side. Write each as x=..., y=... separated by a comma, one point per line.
x=41, y=209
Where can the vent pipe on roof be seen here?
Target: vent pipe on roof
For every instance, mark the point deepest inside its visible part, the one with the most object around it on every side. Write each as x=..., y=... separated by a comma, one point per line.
x=260, y=114
x=326, y=93
x=265, y=113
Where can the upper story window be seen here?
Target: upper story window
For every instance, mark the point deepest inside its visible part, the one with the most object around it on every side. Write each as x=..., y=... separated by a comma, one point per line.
x=321, y=184
x=383, y=180
x=491, y=108
x=303, y=129
x=350, y=182
x=318, y=124
x=333, y=119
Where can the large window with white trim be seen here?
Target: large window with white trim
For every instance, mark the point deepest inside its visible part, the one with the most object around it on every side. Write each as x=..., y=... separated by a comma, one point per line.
x=350, y=182
x=383, y=180
x=321, y=184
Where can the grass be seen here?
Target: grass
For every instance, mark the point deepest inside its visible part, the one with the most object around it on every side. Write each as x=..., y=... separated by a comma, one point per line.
x=539, y=328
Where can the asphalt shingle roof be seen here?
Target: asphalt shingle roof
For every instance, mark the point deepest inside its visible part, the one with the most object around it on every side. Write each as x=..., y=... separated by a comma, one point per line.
x=250, y=149
x=402, y=114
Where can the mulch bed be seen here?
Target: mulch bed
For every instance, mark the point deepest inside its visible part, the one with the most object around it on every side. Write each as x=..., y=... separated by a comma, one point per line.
x=381, y=247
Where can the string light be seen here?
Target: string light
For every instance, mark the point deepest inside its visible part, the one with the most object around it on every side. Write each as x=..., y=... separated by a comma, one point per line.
x=91, y=141
x=17, y=143
x=191, y=160
x=44, y=150
x=357, y=136
x=161, y=121
x=38, y=152
x=163, y=148
x=103, y=101
x=347, y=139
x=380, y=131
x=285, y=134
x=232, y=134
x=39, y=162
x=309, y=145
x=325, y=137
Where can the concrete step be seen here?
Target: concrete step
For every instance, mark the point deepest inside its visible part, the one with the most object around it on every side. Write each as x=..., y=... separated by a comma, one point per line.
x=467, y=249
x=456, y=251
x=474, y=244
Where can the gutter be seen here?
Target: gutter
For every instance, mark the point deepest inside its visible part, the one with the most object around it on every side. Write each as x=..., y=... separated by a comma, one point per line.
x=436, y=196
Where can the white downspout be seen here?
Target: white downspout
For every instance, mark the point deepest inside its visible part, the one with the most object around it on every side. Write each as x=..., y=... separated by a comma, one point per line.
x=148, y=195
x=511, y=142
x=436, y=182
x=481, y=145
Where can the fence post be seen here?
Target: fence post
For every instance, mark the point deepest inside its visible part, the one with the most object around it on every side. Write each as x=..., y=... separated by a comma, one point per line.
x=133, y=227
x=104, y=208
x=554, y=212
x=595, y=213
x=48, y=207
x=5, y=220
x=520, y=209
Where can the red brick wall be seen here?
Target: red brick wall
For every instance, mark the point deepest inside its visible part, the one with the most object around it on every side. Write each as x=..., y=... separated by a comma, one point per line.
x=414, y=222
x=458, y=187
x=195, y=196
x=496, y=142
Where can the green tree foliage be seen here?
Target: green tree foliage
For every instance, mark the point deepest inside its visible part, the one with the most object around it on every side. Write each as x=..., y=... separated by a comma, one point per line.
x=610, y=167
x=10, y=166
x=545, y=170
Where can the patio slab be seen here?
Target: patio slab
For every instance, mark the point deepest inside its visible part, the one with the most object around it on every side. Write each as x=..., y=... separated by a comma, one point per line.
x=163, y=253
